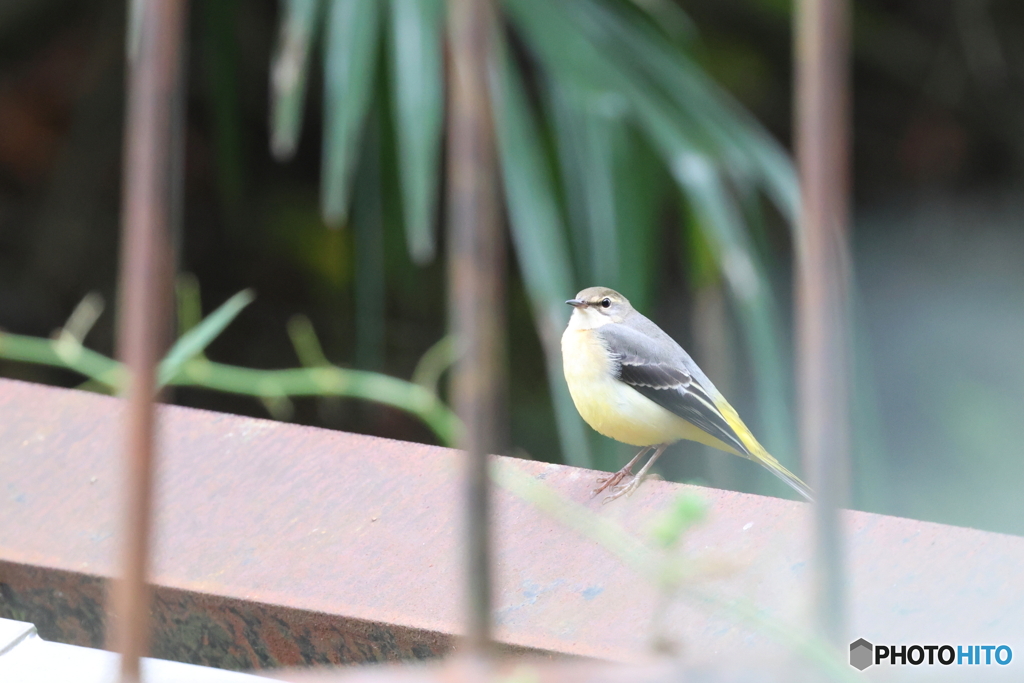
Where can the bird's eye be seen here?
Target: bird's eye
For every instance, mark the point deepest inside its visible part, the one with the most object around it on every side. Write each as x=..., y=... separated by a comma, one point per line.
x=605, y=303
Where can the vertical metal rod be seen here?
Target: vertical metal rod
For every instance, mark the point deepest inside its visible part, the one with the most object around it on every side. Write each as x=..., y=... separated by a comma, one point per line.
x=476, y=254
x=144, y=290
x=822, y=138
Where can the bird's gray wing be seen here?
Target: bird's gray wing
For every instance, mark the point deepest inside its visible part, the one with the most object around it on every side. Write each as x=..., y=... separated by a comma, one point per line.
x=658, y=373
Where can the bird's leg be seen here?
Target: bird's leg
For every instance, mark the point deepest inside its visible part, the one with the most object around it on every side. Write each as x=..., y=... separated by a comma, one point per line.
x=614, y=479
x=627, y=489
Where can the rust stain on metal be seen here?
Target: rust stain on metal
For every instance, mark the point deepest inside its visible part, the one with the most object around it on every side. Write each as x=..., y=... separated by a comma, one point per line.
x=66, y=607
x=208, y=629
x=266, y=550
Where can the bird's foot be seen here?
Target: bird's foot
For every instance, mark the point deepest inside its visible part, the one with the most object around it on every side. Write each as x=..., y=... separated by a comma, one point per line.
x=612, y=481
x=622, y=490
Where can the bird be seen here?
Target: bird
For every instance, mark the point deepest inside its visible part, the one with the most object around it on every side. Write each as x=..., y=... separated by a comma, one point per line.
x=632, y=382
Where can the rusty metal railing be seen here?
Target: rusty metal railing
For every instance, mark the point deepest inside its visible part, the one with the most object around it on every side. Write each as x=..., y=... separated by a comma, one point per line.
x=145, y=291
x=334, y=572
x=476, y=267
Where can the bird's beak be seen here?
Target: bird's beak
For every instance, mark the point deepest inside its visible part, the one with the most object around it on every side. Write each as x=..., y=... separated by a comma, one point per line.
x=576, y=303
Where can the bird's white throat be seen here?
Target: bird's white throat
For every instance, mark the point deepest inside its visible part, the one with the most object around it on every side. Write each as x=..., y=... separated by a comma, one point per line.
x=586, y=318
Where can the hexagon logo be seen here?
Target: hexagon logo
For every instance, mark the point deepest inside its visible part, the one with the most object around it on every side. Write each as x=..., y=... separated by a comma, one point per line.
x=861, y=654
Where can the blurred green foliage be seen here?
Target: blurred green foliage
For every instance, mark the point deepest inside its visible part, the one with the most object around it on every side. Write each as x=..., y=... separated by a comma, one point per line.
x=598, y=105
x=687, y=510
x=937, y=96
x=186, y=365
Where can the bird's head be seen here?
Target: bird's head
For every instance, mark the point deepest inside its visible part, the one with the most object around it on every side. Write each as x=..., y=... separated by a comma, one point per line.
x=597, y=306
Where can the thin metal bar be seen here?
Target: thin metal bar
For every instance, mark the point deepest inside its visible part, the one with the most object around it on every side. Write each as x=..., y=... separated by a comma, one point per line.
x=144, y=290
x=822, y=136
x=476, y=281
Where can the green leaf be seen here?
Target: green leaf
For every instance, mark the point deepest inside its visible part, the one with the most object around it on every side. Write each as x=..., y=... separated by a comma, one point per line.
x=220, y=71
x=368, y=236
x=199, y=337
x=586, y=125
x=352, y=39
x=670, y=17
x=306, y=343
x=641, y=187
x=739, y=139
x=563, y=50
x=565, y=120
x=539, y=239
x=85, y=315
x=613, y=185
x=434, y=362
x=190, y=303
x=288, y=73
x=417, y=79
x=592, y=46
x=745, y=276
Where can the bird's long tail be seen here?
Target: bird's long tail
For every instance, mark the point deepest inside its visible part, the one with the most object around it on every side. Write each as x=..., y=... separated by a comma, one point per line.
x=756, y=452
x=776, y=468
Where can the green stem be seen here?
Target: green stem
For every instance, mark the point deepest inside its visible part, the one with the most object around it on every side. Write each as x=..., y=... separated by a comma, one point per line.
x=61, y=354
x=199, y=372
x=324, y=381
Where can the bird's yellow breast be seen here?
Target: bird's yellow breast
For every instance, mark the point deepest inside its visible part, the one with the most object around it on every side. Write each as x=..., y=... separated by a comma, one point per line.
x=613, y=408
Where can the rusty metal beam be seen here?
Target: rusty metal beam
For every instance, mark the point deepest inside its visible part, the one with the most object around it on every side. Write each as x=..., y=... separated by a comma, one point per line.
x=822, y=280
x=279, y=545
x=145, y=292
